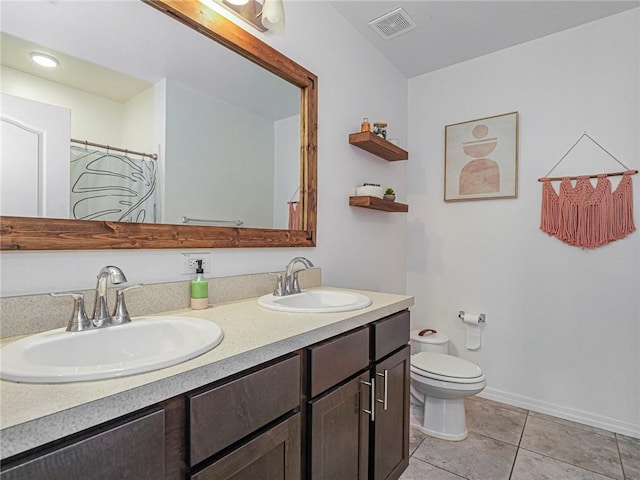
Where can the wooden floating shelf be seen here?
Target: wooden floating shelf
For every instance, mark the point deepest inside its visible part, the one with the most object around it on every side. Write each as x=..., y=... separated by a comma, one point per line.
x=376, y=203
x=376, y=145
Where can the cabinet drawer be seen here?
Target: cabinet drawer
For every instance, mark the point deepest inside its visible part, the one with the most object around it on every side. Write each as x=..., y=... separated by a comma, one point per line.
x=389, y=334
x=134, y=449
x=273, y=455
x=225, y=414
x=338, y=359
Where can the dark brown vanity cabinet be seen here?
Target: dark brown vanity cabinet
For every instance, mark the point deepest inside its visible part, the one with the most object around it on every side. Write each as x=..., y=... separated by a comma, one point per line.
x=248, y=428
x=358, y=412
x=338, y=425
x=274, y=454
x=131, y=448
x=390, y=427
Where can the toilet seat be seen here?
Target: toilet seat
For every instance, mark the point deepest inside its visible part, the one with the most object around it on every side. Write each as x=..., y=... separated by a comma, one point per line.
x=447, y=368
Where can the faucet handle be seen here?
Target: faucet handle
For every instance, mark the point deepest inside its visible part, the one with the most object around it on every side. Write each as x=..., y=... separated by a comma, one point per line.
x=120, y=313
x=79, y=320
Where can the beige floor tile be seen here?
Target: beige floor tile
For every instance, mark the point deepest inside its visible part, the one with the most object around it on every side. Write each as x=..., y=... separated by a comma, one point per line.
x=531, y=466
x=493, y=421
x=419, y=470
x=415, y=439
x=506, y=406
x=625, y=438
x=589, y=428
x=476, y=458
x=630, y=455
x=574, y=445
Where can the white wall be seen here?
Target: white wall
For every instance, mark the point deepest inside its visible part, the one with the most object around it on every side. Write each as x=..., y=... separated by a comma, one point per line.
x=213, y=169
x=138, y=122
x=104, y=127
x=356, y=248
x=563, y=324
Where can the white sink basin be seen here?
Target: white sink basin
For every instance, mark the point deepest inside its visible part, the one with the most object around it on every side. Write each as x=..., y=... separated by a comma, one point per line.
x=316, y=301
x=145, y=344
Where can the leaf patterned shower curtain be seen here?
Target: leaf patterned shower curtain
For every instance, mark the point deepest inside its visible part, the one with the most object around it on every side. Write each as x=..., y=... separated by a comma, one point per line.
x=106, y=186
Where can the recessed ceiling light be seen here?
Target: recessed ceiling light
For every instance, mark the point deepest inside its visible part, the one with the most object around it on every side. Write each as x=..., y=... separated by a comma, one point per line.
x=44, y=60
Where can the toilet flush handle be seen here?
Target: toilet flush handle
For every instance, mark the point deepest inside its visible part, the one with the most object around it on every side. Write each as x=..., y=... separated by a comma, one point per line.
x=422, y=333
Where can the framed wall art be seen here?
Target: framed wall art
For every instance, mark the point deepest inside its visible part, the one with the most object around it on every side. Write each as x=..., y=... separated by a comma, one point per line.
x=481, y=159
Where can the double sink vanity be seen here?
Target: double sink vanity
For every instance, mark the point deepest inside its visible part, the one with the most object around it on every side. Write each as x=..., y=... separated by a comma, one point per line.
x=286, y=392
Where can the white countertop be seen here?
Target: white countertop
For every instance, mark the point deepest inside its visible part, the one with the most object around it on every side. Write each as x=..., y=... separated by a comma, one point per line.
x=32, y=414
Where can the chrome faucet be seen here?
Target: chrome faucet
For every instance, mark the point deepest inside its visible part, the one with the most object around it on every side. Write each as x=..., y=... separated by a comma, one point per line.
x=289, y=284
x=100, y=306
x=101, y=318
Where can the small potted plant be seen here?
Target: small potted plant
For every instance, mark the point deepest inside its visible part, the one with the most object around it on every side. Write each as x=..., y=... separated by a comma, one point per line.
x=389, y=194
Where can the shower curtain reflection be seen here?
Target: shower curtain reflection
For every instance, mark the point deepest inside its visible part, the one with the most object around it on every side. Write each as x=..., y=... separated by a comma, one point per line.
x=110, y=187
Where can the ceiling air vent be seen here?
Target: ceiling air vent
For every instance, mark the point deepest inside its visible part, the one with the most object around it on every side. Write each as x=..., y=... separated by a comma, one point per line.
x=393, y=24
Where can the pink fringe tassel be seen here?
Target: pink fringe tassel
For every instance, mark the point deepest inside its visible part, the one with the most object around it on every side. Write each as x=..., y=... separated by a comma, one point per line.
x=294, y=216
x=586, y=216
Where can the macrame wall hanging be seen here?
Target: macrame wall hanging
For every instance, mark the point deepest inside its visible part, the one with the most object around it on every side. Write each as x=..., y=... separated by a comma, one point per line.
x=587, y=216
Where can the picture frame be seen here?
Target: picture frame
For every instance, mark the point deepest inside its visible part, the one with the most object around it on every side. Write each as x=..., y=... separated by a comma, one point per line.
x=481, y=159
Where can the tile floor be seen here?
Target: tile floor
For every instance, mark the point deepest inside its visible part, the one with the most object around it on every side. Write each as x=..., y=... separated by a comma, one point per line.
x=510, y=443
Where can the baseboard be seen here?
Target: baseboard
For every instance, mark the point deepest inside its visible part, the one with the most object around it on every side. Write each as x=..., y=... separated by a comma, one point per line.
x=598, y=421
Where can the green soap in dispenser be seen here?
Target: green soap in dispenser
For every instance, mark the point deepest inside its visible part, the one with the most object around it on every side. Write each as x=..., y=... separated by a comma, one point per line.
x=199, y=289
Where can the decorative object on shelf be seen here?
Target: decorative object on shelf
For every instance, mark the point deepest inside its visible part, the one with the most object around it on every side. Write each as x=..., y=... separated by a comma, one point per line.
x=378, y=146
x=481, y=159
x=370, y=190
x=587, y=216
x=380, y=129
x=390, y=195
x=365, y=126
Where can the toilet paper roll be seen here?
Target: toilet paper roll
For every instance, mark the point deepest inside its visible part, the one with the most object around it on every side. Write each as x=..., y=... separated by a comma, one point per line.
x=474, y=330
x=472, y=318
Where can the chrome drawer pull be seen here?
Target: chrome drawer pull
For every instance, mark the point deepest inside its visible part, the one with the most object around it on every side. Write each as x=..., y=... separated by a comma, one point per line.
x=372, y=398
x=385, y=388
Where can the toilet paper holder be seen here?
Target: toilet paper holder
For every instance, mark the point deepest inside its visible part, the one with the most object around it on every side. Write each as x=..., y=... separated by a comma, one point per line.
x=481, y=318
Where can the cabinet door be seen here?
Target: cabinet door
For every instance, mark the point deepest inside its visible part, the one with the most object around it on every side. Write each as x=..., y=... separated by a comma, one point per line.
x=273, y=455
x=391, y=426
x=134, y=449
x=339, y=437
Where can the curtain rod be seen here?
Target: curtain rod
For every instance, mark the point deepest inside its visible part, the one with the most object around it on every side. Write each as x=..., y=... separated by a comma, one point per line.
x=86, y=143
x=237, y=223
x=575, y=177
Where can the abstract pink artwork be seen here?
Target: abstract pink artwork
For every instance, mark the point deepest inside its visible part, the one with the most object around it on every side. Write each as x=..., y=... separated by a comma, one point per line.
x=481, y=158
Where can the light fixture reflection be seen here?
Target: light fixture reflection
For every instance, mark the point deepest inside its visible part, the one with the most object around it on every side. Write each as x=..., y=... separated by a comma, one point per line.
x=44, y=60
x=273, y=15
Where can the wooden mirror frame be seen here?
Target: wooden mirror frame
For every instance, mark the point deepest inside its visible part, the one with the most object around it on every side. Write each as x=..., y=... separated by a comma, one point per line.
x=27, y=233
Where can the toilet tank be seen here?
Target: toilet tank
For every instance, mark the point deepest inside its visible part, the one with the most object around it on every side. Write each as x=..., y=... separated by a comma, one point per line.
x=429, y=342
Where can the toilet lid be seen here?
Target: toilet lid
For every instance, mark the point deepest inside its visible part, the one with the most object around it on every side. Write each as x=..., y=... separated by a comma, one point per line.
x=445, y=365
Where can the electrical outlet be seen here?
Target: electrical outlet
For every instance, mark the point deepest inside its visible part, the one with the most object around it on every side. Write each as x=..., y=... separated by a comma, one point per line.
x=190, y=263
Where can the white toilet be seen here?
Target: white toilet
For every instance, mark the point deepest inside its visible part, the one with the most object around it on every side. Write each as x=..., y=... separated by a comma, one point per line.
x=439, y=385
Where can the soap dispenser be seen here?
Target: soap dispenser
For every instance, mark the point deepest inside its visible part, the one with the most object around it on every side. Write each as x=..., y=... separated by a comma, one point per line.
x=199, y=289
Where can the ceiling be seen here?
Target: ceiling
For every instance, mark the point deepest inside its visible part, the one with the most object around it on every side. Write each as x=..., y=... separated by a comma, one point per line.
x=450, y=32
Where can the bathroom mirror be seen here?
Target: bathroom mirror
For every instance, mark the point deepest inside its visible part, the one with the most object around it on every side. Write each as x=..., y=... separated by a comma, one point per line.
x=34, y=233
